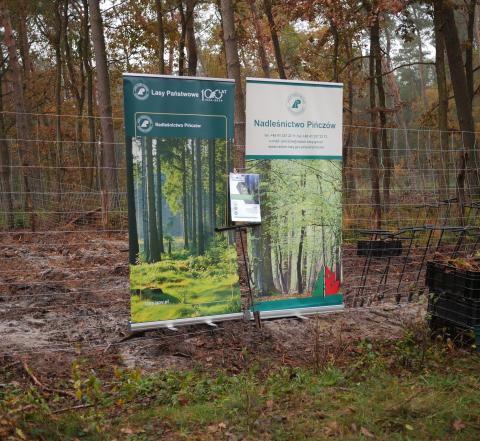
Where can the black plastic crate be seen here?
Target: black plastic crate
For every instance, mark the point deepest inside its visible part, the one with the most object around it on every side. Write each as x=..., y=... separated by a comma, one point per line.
x=442, y=278
x=461, y=311
x=379, y=248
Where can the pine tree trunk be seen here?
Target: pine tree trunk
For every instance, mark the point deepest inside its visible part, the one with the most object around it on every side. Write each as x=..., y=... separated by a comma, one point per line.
x=199, y=197
x=152, y=216
x=161, y=36
x=467, y=164
x=21, y=118
x=190, y=37
x=146, y=241
x=132, y=219
x=275, y=41
x=184, y=198
x=193, y=198
x=159, y=196
x=109, y=173
x=442, y=110
x=212, y=192
x=260, y=39
x=5, y=166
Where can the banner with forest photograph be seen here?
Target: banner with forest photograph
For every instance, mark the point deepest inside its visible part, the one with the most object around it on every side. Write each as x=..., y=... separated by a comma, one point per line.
x=179, y=154
x=294, y=143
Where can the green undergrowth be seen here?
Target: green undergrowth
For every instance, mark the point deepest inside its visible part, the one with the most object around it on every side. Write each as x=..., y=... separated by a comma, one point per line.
x=182, y=285
x=399, y=390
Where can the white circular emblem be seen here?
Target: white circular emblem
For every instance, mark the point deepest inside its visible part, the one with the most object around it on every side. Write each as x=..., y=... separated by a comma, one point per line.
x=296, y=103
x=141, y=91
x=144, y=123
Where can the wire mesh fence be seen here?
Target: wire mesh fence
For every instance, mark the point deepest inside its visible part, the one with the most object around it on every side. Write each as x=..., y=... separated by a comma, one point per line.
x=63, y=237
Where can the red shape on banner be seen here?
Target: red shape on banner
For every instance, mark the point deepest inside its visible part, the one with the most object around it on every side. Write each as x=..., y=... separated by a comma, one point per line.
x=332, y=285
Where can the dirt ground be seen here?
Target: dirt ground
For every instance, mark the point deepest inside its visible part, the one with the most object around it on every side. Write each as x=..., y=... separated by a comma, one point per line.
x=65, y=295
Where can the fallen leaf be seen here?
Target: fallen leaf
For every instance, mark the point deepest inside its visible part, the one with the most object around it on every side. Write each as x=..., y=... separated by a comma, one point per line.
x=269, y=404
x=408, y=427
x=366, y=432
x=458, y=425
x=20, y=433
x=212, y=428
x=222, y=425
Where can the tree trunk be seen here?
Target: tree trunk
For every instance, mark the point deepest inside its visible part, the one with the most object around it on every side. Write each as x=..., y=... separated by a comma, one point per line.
x=89, y=74
x=5, y=166
x=382, y=103
x=191, y=42
x=143, y=180
x=194, y=200
x=161, y=36
x=275, y=41
x=260, y=39
x=132, y=219
x=159, y=196
x=374, y=153
x=212, y=191
x=199, y=197
x=21, y=117
x=152, y=216
x=181, y=41
x=442, y=110
x=233, y=70
x=184, y=198
x=467, y=167
x=109, y=173
x=58, y=38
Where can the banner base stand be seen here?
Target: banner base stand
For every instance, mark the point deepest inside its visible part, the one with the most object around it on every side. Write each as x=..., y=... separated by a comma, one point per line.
x=301, y=313
x=210, y=321
x=172, y=324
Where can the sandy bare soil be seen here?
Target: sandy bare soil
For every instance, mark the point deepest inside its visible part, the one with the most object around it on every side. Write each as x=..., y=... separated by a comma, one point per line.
x=66, y=295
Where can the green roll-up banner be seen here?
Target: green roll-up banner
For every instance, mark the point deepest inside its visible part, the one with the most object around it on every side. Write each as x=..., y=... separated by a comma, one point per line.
x=294, y=142
x=179, y=134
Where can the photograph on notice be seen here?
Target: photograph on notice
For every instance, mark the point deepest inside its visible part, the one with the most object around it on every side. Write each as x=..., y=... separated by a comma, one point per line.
x=245, y=197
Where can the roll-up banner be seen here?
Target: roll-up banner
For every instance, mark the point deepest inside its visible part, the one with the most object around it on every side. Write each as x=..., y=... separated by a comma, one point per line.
x=179, y=133
x=294, y=143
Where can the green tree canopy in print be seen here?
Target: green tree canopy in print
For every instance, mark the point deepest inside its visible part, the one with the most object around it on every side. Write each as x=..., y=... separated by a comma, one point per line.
x=179, y=154
x=296, y=252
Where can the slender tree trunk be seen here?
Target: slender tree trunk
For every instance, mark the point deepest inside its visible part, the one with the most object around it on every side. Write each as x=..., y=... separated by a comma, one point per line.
x=184, y=198
x=21, y=117
x=194, y=201
x=5, y=165
x=146, y=241
x=262, y=53
x=181, y=41
x=161, y=36
x=442, y=110
x=382, y=102
x=199, y=197
x=159, y=196
x=275, y=41
x=212, y=191
x=233, y=69
x=374, y=152
x=190, y=36
x=132, y=218
x=152, y=216
x=421, y=67
x=469, y=47
x=58, y=38
x=109, y=174
x=468, y=160
x=336, y=39
x=89, y=92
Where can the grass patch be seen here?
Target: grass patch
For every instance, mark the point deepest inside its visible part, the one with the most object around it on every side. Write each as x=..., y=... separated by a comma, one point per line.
x=183, y=285
x=373, y=395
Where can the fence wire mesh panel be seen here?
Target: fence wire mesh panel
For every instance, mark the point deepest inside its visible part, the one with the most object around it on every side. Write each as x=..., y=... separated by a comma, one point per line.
x=409, y=197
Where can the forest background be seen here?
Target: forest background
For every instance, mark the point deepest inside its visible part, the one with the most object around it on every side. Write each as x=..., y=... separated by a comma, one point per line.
x=405, y=65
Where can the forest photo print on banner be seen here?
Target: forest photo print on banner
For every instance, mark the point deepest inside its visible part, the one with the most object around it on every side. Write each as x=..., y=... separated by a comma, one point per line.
x=294, y=142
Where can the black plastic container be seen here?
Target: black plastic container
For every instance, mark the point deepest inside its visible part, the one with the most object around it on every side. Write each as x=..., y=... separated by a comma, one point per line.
x=454, y=309
x=461, y=283
x=379, y=248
